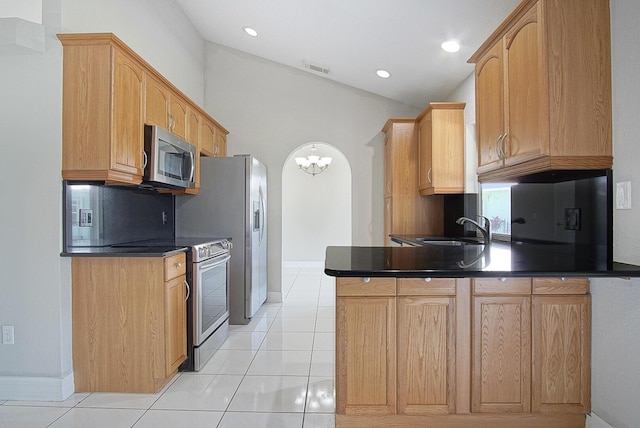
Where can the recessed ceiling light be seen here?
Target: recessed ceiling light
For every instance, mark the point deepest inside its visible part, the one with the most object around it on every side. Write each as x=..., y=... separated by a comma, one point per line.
x=383, y=74
x=451, y=46
x=250, y=31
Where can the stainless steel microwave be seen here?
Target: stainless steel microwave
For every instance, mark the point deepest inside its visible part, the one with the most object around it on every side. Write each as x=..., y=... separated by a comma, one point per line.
x=169, y=160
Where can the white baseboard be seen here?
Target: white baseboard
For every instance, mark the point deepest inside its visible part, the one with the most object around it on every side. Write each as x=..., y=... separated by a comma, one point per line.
x=36, y=388
x=274, y=297
x=594, y=421
x=303, y=264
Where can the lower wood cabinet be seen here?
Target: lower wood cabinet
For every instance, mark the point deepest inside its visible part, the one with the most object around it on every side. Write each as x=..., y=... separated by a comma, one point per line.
x=426, y=355
x=460, y=352
x=128, y=322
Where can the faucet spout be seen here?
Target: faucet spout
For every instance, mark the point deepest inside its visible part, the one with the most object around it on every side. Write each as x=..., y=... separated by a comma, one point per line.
x=485, y=230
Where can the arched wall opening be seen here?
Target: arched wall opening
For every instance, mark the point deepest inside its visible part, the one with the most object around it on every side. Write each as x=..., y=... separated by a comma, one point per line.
x=316, y=210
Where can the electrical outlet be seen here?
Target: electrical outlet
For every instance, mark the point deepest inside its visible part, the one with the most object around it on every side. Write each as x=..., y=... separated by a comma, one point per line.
x=572, y=219
x=623, y=195
x=7, y=335
x=86, y=218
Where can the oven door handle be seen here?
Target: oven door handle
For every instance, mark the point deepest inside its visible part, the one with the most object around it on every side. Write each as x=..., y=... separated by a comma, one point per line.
x=215, y=261
x=188, y=290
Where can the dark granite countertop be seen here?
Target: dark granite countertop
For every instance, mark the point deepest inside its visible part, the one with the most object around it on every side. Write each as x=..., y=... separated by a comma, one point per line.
x=494, y=260
x=118, y=251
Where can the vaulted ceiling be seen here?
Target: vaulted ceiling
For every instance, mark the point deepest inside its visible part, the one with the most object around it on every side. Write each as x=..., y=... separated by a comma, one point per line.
x=354, y=38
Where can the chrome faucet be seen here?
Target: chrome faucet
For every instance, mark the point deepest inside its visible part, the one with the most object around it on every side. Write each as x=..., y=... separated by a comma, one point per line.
x=485, y=230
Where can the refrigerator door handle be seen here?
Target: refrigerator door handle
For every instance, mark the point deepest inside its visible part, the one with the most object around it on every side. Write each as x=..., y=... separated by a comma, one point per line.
x=262, y=208
x=256, y=216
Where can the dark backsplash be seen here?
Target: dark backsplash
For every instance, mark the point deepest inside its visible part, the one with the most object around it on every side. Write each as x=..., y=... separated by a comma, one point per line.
x=456, y=206
x=118, y=214
x=576, y=212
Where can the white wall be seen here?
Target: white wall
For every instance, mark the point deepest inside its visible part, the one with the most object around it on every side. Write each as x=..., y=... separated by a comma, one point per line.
x=271, y=109
x=35, y=288
x=316, y=211
x=31, y=10
x=616, y=302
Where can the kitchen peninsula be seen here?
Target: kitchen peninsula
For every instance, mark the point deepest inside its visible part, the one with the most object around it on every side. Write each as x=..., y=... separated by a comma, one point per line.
x=463, y=335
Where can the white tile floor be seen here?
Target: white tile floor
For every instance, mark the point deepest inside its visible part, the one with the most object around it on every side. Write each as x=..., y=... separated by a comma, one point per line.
x=277, y=371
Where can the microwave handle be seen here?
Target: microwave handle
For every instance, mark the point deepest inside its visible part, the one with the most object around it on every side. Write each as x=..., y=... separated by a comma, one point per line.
x=193, y=167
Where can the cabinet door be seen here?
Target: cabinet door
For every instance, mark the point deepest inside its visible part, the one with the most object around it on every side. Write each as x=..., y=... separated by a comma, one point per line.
x=490, y=108
x=426, y=355
x=366, y=355
x=193, y=136
x=561, y=354
x=388, y=165
x=425, y=152
x=175, y=323
x=388, y=219
x=501, y=363
x=178, y=116
x=220, y=148
x=156, y=103
x=207, y=138
x=527, y=137
x=127, y=127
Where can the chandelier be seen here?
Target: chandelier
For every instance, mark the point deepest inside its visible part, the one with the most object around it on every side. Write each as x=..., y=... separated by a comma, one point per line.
x=313, y=164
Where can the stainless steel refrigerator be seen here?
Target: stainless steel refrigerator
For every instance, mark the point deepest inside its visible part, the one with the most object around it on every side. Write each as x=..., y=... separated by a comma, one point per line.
x=232, y=202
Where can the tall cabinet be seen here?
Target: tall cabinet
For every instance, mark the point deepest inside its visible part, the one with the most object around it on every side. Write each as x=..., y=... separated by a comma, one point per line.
x=543, y=90
x=406, y=212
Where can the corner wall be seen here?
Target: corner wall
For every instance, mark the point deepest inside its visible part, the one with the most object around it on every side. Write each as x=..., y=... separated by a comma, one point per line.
x=35, y=291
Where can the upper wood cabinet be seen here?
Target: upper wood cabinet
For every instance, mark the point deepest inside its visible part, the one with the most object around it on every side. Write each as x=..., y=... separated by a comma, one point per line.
x=109, y=93
x=102, y=112
x=441, y=149
x=165, y=108
x=543, y=90
x=213, y=139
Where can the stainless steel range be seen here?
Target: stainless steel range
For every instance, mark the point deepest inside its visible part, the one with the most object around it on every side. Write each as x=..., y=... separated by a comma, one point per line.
x=208, y=304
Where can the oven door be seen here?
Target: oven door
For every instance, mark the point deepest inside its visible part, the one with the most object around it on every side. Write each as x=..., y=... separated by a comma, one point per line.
x=210, y=296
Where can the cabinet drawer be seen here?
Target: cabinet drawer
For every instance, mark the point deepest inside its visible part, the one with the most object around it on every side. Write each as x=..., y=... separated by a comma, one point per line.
x=560, y=285
x=175, y=266
x=360, y=286
x=426, y=286
x=515, y=286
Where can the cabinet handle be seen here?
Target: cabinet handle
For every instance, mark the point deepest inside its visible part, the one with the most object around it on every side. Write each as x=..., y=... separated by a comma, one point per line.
x=563, y=279
x=366, y=279
x=145, y=159
x=427, y=280
x=188, y=291
x=179, y=264
x=429, y=175
x=503, y=147
x=215, y=150
x=503, y=279
x=170, y=122
x=498, y=146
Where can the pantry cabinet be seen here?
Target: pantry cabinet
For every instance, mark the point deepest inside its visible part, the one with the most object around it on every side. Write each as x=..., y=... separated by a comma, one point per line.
x=462, y=352
x=129, y=322
x=543, y=90
x=440, y=129
x=406, y=212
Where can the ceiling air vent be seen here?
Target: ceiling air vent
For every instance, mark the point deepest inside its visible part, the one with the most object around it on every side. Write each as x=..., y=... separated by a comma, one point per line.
x=315, y=67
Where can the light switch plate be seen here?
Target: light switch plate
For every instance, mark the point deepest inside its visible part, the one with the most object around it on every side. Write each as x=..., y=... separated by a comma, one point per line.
x=623, y=195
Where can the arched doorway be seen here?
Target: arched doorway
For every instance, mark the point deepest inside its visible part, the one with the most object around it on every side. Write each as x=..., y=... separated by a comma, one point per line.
x=316, y=210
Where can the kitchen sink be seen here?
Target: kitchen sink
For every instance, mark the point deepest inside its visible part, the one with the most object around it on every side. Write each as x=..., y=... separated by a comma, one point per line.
x=452, y=242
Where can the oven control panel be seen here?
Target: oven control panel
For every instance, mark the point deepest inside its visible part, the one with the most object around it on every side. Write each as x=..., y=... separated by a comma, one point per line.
x=211, y=249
